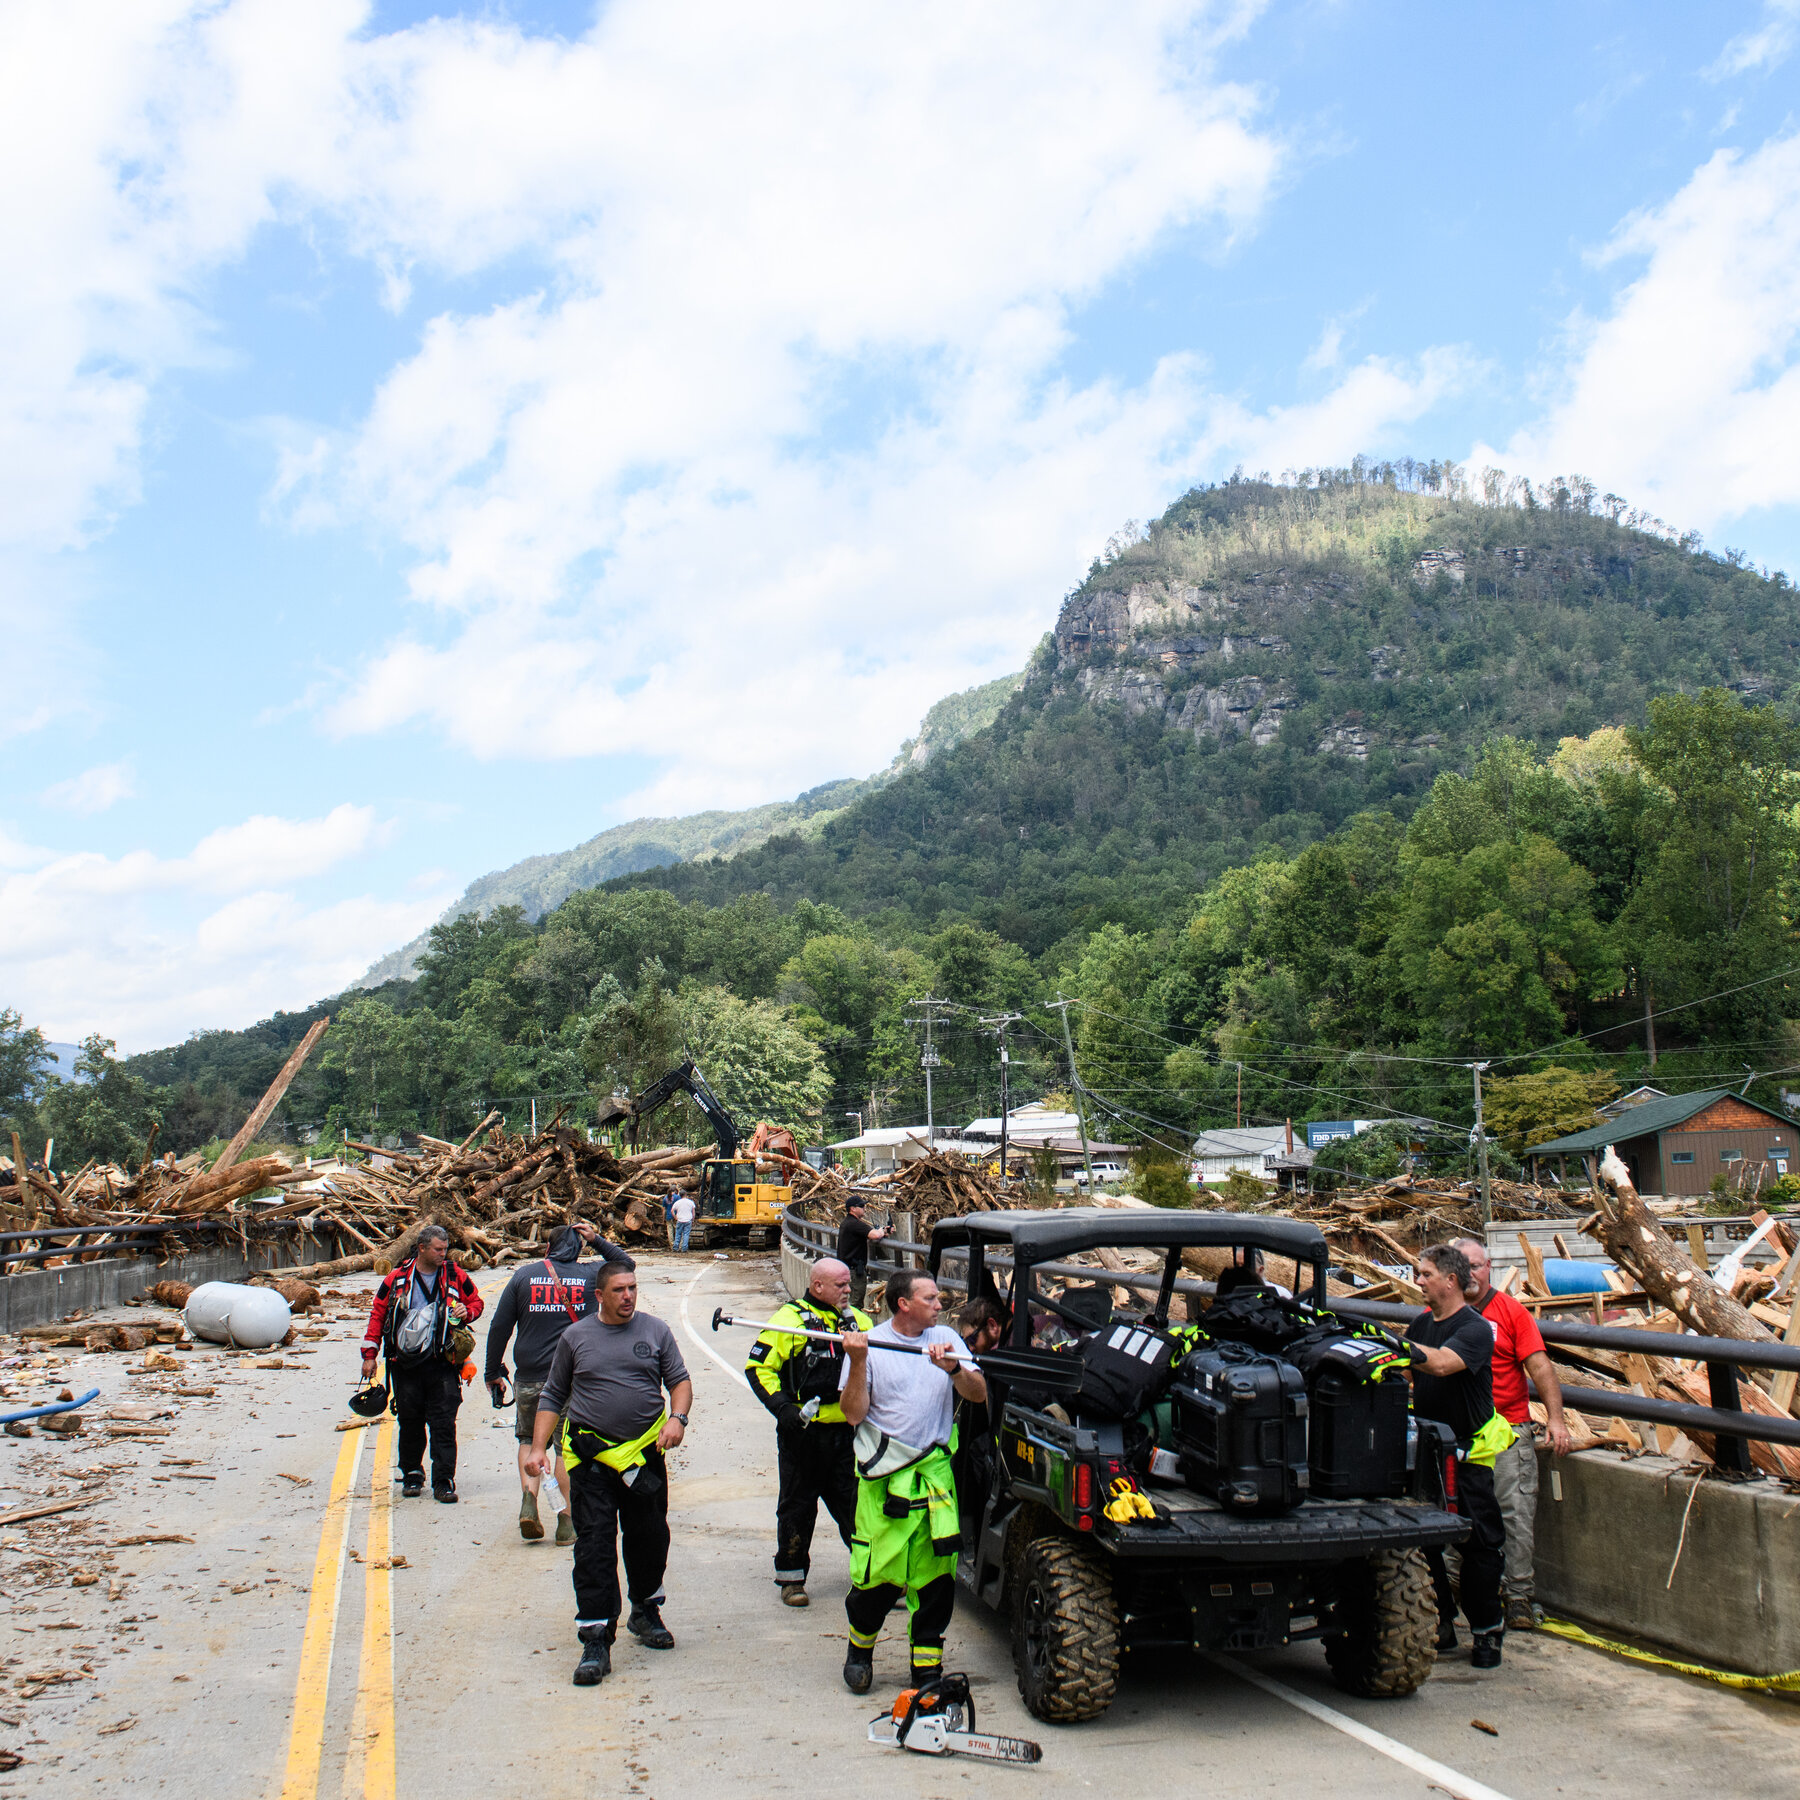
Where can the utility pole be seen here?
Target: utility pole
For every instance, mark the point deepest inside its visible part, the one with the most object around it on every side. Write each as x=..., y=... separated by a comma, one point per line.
x=1240, y=1097
x=1061, y=1005
x=999, y=1026
x=929, y=1060
x=1487, y=1201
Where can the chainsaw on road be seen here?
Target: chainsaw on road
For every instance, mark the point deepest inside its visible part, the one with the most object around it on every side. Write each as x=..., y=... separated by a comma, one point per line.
x=938, y=1719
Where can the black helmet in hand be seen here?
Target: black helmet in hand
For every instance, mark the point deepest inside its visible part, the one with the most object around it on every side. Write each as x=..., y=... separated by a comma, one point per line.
x=369, y=1402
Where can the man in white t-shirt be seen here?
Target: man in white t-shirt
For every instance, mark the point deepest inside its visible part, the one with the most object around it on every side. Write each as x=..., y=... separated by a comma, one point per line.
x=681, y=1216
x=907, y=1531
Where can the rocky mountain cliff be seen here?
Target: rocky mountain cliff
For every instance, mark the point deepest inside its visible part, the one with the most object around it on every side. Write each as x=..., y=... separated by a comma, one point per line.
x=1261, y=663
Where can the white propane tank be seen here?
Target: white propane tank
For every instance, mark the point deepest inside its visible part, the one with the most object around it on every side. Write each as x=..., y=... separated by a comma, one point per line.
x=248, y=1318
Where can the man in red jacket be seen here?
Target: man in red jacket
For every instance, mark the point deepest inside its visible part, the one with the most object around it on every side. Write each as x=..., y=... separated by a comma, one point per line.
x=417, y=1311
x=1518, y=1351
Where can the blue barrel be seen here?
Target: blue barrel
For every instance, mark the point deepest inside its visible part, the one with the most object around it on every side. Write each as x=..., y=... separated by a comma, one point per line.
x=1577, y=1275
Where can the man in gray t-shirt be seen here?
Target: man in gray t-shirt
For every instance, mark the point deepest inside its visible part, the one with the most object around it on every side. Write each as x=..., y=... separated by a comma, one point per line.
x=607, y=1380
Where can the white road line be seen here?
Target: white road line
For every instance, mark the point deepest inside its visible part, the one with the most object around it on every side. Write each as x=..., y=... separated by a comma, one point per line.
x=687, y=1325
x=1460, y=1785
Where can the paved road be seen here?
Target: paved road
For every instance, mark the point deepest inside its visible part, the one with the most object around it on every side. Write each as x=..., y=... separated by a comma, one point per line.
x=274, y=1656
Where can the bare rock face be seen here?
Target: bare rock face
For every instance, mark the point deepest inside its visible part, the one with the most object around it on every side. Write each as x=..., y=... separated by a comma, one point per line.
x=1247, y=706
x=1432, y=563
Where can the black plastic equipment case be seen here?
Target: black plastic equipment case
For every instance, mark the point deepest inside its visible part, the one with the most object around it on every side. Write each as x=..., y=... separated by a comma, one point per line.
x=1356, y=1441
x=1239, y=1422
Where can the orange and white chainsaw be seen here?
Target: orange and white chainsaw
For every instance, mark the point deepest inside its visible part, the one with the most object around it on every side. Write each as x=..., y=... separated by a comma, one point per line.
x=938, y=1719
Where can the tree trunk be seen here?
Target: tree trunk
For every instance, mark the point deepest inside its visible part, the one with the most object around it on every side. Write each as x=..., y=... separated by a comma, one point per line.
x=390, y=1254
x=1638, y=1243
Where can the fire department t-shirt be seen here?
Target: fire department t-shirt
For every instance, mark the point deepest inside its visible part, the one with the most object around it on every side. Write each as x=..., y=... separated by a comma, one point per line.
x=1463, y=1401
x=1516, y=1336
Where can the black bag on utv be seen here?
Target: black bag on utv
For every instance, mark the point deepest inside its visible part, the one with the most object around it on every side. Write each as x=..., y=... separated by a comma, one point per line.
x=1125, y=1370
x=1263, y=1320
x=1359, y=1404
x=1240, y=1428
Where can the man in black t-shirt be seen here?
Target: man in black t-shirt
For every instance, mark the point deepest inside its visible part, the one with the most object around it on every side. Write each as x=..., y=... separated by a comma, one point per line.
x=854, y=1237
x=1454, y=1385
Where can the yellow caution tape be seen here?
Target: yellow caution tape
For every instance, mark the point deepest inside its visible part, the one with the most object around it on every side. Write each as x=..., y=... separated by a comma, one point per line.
x=1788, y=1683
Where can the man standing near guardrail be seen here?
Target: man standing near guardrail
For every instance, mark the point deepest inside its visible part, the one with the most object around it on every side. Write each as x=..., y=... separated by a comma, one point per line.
x=908, y=1530
x=1518, y=1352
x=797, y=1379
x=854, y=1237
x=1452, y=1384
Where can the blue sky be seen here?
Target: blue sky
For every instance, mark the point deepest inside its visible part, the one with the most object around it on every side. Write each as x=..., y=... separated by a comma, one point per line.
x=429, y=436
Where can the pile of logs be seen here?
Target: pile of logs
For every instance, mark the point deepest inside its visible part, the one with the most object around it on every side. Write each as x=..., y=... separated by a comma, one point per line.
x=1393, y=1220
x=927, y=1188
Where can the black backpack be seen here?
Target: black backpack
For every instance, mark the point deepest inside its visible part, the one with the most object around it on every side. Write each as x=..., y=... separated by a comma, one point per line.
x=1125, y=1369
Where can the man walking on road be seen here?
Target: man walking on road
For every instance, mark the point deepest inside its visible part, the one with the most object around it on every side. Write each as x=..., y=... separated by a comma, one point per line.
x=419, y=1312
x=907, y=1528
x=854, y=1237
x=606, y=1380
x=1453, y=1386
x=681, y=1217
x=540, y=1302
x=798, y=1380
x=1518, y=1352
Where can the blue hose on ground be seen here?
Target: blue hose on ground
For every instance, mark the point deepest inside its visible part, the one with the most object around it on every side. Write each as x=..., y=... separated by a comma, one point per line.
x=56, y=1406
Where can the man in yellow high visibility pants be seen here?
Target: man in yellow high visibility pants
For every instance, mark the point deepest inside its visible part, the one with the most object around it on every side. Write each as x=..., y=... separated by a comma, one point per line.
x=907, y=1531
x=607, y=1380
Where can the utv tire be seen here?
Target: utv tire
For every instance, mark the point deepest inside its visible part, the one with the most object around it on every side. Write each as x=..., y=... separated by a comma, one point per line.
x=1065, y=1633
x=1389, y=1609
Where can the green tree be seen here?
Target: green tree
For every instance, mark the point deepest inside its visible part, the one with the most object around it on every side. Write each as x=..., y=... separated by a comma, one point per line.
x=104, y=1114
x=24, y=1058
x=1710, y=910
x=757, y=1060
x=1523, y=1110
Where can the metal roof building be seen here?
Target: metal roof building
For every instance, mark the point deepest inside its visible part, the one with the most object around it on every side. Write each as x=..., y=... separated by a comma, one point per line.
x=1677, y=1144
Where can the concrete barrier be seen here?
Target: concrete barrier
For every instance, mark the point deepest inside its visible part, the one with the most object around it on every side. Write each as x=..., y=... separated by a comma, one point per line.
x=1605, y=1550
x=47, y=1296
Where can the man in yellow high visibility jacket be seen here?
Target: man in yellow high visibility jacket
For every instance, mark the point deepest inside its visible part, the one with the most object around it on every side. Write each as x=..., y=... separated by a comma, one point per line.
x=796, y=1378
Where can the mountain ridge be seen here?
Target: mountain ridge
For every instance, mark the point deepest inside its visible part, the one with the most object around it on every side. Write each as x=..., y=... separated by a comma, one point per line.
x=539, y=884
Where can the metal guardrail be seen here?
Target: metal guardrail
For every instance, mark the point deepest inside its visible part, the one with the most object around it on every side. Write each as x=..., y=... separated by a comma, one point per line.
x=112, y=1239
x=1725, y=1419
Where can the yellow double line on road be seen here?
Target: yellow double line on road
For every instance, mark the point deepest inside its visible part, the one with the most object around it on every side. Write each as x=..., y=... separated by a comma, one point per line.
x=373, y=1727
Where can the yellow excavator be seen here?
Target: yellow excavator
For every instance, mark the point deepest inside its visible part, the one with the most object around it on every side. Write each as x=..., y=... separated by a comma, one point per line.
x=746, y=1184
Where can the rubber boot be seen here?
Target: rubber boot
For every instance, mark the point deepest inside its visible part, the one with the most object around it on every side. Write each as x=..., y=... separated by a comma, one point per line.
x=596, y=1656
x=859, y=1668
x=529, y=1527
x=645, y=1624
x=1486, y=1654
x=565, y=1529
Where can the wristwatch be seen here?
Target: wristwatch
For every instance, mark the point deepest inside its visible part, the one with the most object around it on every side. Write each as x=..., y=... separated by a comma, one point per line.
x=682, y=1417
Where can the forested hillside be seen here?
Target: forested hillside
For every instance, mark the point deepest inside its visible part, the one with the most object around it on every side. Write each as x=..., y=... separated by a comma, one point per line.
x=1316, y=794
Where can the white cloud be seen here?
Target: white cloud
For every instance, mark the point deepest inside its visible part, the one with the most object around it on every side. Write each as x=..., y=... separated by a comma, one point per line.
x=1766, y=47
x=94, y=790
x=137, y=947
x=1686, y=395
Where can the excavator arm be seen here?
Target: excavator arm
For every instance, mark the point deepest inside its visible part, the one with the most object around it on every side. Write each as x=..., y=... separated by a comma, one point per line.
x=687, y=1079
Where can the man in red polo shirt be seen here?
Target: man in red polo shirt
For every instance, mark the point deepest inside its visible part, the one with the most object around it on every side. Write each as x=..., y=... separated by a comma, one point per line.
x=1518, y=1351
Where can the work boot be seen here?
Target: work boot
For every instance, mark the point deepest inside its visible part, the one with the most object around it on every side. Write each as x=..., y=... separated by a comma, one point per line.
x=922, y=1675
x=793, y=1593
x=1486, y=1654
x=596, y=1656
x=1446, y=1638
x=444, y=1492
x=645, y=1624
x=414, y=1484
x=859, y=1668
x=565, y=1529
x=1523, y=1613
x=530, y=1529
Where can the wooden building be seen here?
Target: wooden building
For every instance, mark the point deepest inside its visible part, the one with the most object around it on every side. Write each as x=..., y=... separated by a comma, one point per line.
x=1676, y=1145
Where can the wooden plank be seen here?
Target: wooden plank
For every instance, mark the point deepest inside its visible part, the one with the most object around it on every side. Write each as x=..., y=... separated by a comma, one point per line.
x=272, y=1099
x=43, y=1512
x=1696, y=1237
x=1534, y=1263
x=1562, y=1249
x=1509, y=1279
x=1781, y=1389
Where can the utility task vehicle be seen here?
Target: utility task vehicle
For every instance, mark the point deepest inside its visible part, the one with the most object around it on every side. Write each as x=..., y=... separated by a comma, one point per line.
x=1242, y=1505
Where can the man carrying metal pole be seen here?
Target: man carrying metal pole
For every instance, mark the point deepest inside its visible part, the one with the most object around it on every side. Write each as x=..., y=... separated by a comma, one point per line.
x=908, y=1530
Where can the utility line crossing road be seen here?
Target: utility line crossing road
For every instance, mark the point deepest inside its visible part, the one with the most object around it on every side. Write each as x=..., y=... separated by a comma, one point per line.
x=400, y=1650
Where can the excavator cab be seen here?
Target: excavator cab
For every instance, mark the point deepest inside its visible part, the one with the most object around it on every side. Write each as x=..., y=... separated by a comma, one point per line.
x=736, y=1192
